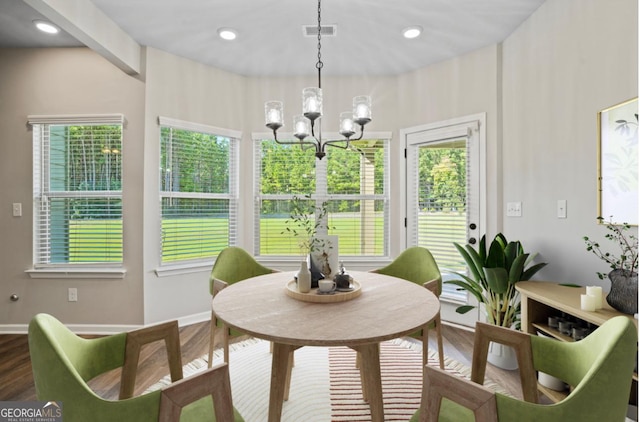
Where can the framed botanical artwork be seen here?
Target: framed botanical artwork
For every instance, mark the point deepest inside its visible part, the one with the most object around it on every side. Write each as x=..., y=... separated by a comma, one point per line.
x=618, y=163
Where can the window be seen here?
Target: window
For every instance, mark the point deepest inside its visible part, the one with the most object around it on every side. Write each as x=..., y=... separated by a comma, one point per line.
x=77, y=187
x=198, y=190
x=353, y=182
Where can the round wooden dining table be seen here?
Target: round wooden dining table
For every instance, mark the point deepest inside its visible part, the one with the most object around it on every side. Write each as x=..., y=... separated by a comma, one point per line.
x=387, y=308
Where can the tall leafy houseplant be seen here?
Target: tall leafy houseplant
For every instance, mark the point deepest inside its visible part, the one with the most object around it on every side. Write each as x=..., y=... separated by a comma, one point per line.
x=493, y=275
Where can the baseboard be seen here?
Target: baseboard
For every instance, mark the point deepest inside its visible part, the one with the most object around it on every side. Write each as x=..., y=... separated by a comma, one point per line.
x=459, y=326
x=99, y=329
x=13, y=329
x=89, y=329
x=190, y=319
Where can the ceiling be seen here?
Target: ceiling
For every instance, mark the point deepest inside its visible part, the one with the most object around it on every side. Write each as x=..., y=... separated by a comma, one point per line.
x=270, y=37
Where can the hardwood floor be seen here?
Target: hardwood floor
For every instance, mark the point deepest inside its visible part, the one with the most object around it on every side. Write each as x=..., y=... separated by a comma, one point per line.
x=16, y=379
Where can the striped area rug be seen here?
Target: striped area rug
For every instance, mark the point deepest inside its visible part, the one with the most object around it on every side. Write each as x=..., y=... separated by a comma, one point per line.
x=325, y=385
x=401, y=371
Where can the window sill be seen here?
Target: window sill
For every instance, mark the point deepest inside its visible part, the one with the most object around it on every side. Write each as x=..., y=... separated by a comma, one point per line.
x=74, y=273
x=179, y=269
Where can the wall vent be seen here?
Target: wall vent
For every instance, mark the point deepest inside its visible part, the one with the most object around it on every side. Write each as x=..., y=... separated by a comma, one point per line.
x=325, y=30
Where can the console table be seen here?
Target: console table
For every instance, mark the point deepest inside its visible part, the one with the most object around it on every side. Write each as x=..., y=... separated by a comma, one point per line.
x=542, y=299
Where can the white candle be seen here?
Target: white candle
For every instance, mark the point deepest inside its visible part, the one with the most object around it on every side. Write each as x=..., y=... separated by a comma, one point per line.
x=312, y=105
x=596, y=292
x=362, y=111
x=587, y=303
x=274, y=116
x=301, y=128
x=347, y=125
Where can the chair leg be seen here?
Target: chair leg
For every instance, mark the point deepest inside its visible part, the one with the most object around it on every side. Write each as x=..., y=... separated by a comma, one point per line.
x=225, y=342
x=425, y=342
x=212, y=334
x=438, y=324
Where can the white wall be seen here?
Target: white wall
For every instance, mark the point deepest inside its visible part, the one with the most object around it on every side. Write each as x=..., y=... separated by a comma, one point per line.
x=570, y=60
x=64, y=81
x=180, y=89
x=541, y=91
x=455, y=88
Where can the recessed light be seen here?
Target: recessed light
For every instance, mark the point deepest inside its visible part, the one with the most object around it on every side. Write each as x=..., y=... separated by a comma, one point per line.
x=47, y=27
x=412, y=32
x=227, y=34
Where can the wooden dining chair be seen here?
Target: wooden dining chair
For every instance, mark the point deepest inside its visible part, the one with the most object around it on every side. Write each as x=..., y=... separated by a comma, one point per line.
x=599, y=369
x=416, y=264
x=232, y=265
x=63, y=363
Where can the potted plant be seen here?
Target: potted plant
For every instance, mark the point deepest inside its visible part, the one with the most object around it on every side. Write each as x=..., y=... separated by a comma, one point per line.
x=304, y=222
x=623, y=295
x=493, y=275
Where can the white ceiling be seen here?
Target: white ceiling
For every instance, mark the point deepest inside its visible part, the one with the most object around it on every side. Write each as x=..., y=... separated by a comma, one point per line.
x=271, y=40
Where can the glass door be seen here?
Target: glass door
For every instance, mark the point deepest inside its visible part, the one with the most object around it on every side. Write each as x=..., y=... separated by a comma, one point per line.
x=443, y=194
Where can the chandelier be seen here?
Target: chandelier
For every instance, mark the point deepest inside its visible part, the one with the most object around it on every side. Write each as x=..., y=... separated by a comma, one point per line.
x=304, y=124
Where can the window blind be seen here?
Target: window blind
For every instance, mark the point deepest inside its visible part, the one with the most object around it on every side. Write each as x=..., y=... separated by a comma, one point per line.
x=198, y=191
x=352, y=183
x=77, y=190
x=441, y=206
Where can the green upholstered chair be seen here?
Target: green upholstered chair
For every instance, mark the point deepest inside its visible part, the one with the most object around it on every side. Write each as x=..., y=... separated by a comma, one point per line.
x=598, y=368
x=232, y=265
x=62, y=364
x=416, y=264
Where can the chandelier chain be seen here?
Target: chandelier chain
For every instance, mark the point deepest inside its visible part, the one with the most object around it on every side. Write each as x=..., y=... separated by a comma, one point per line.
x=319, y=64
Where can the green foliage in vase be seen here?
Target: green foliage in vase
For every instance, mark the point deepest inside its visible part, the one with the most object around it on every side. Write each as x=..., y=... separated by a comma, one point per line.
x=305, y=219
x=493, y=274
x=627, y=257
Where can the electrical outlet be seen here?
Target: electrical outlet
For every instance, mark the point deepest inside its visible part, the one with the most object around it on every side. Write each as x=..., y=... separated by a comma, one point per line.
x=73, y=294
x=514, y=209
x=17, y=209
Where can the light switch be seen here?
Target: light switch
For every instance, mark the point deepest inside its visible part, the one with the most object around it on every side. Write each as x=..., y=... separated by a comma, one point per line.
x=17, y=209
x=562, y=208
x=514, y=209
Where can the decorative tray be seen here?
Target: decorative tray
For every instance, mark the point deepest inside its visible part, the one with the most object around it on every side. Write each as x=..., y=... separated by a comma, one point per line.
x=315, y=297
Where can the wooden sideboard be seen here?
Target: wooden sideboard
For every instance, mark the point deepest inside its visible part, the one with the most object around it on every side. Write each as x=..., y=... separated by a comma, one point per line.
x=542, y=299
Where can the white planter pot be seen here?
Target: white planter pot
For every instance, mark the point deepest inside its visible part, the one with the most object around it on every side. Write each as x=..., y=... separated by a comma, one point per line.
x=502, y=356
x=551, y=382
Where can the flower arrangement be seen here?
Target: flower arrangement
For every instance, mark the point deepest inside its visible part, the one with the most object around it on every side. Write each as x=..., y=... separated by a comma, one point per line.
x=627, y=258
